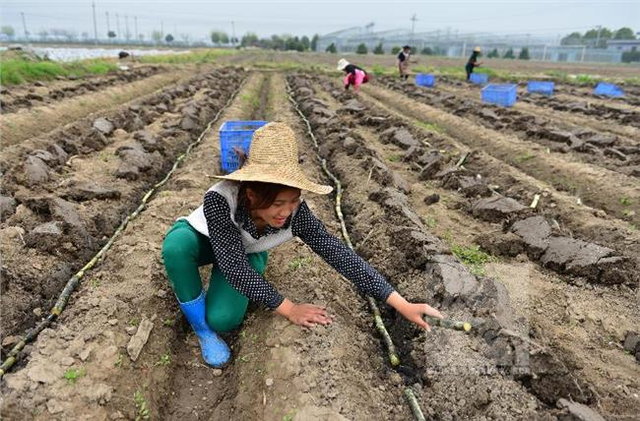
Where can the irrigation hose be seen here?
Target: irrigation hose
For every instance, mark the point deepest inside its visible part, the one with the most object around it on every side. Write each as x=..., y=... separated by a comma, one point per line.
x=391, y=349
x=63, y=299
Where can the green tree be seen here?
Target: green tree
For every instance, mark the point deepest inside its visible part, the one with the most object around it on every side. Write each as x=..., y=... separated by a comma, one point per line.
x=306, y=43
x=493, y=53
x=591, y=37
x=395, y=50
x=574, y=38
x=111, y=34
x=314, y=42
x=427, y=51
x=249, y=39
x=624, y=33
x=215, y=37
x=631, y=57
x=224, y=38
x=332, y=48
x=156, y=36
x=169, y=38
x=524, y=54
x=378, y=50
x=509, y=54
x=362, y=49
x=8, y=30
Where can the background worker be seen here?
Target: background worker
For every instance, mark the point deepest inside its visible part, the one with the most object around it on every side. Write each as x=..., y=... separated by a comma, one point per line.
x=403, y=62
x=355, y=77
x=473, y=61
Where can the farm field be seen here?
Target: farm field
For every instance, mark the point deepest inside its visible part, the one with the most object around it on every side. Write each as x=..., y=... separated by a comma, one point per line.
x=522, y=220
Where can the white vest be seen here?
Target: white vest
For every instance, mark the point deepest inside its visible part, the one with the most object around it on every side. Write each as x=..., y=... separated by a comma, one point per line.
x=229, y=189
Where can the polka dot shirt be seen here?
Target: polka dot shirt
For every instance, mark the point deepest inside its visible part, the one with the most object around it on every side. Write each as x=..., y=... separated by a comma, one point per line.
x=230, y=254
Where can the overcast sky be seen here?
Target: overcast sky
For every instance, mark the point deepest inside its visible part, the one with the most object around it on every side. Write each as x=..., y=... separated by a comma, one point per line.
x=302, y=17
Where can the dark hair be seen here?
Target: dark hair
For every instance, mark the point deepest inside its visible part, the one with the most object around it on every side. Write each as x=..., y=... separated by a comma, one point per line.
x=266, y=193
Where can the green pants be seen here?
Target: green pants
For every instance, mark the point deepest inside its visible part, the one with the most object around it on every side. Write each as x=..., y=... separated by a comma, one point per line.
x=184, y=250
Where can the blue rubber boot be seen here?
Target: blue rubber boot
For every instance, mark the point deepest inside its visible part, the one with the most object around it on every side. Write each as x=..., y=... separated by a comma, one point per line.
x=215, y=351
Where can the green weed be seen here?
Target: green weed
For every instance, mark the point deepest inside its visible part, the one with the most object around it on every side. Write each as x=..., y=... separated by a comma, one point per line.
x=73, y=374
x=472, y=256
x=16, y=71
x=119, y=361
x=430, y=221
x=432, y=127
x=394, y=158
x=169, y=322
x=208, y=56
x=299, y=262
x=142, y=410
x=165, y=359
x=625, y=201
x=524, y=157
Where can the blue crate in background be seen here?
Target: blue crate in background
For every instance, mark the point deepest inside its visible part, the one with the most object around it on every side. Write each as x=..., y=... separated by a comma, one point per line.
x=499, y=94
x=236, y=135
x=479, y=78
x=540, y=87
x=608, y=89
x=424, y=79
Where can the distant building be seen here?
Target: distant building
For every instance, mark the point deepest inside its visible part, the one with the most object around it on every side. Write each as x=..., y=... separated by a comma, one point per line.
x=623, y=45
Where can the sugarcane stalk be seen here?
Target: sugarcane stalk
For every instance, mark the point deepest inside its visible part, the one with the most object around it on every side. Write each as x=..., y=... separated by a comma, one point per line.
x=391, y=349
x=449, y=324
x=71, y=284
x=413, y=404
x=462, y=159
x=534, y=203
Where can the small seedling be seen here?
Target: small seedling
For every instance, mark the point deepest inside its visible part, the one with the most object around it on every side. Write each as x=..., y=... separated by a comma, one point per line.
x=299, y=262
x=430, y=221
x=119, y=361
x=165, y=359
x=141, y=406
x=245, y=359
x=473, y=257
x=395, y=158
x=625, y=201
x=169, y=322
x=95, y=283
x=243, y=334
x=254, y=337
x=524, y=157
x=134, y=321
x=73, y=374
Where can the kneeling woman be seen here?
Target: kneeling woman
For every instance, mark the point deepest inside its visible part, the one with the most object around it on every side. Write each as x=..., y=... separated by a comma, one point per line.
x=251, y=211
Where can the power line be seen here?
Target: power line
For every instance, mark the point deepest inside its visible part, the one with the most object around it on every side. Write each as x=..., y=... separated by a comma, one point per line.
x=24, y=26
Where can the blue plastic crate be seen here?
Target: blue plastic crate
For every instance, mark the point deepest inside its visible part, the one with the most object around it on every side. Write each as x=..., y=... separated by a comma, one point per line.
x=236, y=135
x=500, y=94
x=479, y=78
x=608, y=89
x=424, y=79
x=540, y=87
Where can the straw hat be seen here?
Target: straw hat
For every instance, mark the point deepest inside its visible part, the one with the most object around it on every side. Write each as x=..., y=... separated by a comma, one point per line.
x=477, y=49
x=342, y=64
x=273, y=158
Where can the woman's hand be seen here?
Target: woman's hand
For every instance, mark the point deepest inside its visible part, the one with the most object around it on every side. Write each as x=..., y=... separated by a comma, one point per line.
x=306, y=315
x=413, y=312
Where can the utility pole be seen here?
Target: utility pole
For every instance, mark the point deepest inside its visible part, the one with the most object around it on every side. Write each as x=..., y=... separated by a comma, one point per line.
x=126, y=25
x=135, y=25
x=413, y=25
x=108, y=24
x=233, y=34
x=24, y=25
x=162, y=28
x=118, y=25
x=598, y=38
x=95, y=25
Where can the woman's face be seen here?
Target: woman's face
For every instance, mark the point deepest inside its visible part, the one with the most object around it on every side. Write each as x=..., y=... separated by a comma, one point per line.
x=287, y=201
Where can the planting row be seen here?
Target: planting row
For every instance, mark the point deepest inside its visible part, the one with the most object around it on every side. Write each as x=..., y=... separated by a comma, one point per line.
x=64, y=194
x=41, y=93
